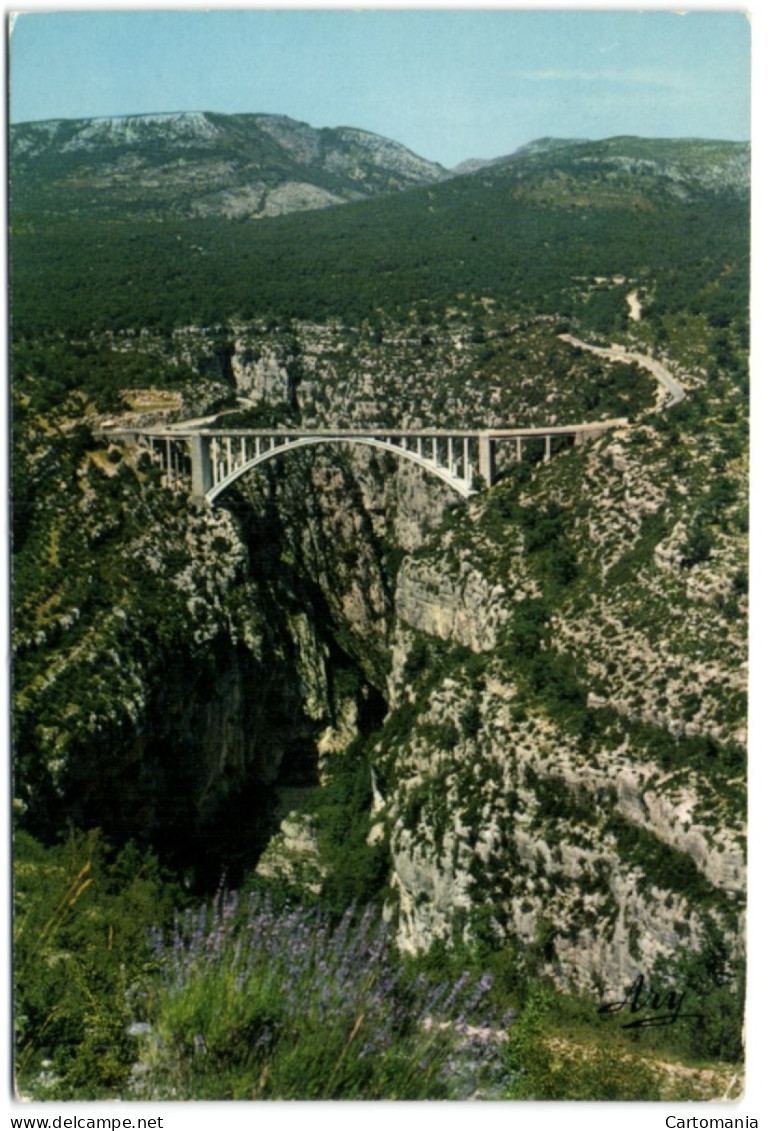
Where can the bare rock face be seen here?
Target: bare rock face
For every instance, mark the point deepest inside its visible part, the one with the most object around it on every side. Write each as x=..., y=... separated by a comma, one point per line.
x=601, y=850
x=464, y=609
x=519, y=819
x=257, y=201
x=338, y=573
x=238, y=166
x=584, y=848
x=292, y=854
x=264, y=378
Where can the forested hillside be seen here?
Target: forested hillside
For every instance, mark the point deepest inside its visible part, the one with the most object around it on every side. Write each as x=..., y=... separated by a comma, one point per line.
x=535, y=238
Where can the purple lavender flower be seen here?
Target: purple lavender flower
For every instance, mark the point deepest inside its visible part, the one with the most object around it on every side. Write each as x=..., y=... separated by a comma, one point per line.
x=279, y=986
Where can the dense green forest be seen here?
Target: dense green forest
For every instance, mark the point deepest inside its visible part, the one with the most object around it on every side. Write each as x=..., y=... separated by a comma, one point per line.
x=440, y=247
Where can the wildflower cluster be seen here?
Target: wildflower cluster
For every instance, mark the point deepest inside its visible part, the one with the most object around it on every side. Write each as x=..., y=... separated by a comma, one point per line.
x=258, y=1001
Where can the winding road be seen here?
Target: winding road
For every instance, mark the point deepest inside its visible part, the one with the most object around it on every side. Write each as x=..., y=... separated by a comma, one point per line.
x=220, y=456
x=619, y=353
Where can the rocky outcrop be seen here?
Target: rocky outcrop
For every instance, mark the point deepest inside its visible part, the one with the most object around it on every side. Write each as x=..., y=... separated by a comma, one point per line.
x=518, y=819
x=537, y=680
x=462, y=606
x=261, y=378
x=292, y=855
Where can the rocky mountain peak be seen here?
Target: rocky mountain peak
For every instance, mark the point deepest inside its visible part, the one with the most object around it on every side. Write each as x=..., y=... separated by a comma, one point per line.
x=204, y=163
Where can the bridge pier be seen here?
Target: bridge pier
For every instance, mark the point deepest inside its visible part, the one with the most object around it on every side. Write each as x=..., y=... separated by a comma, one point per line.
x=202, y=471
x=487, y=453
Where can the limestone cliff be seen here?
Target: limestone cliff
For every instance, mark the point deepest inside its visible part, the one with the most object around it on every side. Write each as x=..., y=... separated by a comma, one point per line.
x=560, y=661
x=535, y=764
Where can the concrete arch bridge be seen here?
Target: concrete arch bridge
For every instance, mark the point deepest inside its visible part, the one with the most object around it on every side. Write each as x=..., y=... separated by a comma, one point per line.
x=208, y=460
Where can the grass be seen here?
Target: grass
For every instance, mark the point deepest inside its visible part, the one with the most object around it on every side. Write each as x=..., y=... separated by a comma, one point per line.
x=566, y=1051
x=268, y=1002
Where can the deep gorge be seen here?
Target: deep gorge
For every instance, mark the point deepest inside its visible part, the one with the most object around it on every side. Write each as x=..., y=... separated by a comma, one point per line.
x=502, y=739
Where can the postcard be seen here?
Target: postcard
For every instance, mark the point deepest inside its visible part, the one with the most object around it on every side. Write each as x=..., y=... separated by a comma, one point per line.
x=379, y=410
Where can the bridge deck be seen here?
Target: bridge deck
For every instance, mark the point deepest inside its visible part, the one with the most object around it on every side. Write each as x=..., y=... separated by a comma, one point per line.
x=459, y=456
x=172, y=432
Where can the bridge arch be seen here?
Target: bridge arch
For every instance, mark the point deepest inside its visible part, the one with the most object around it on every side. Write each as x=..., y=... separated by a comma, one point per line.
x=463, y=486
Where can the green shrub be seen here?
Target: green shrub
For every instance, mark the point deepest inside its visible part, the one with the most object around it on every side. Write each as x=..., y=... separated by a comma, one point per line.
x=714, y=979
x=82, y=913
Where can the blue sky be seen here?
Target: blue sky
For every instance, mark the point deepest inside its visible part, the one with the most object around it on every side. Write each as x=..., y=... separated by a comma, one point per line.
x=450, y=84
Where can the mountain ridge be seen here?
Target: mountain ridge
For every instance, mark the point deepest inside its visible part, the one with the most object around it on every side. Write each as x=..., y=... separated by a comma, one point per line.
x=201, y=164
